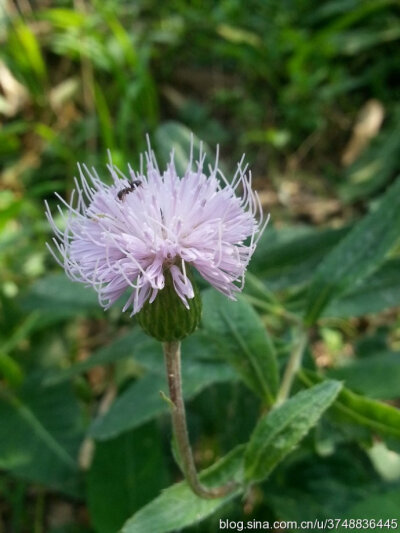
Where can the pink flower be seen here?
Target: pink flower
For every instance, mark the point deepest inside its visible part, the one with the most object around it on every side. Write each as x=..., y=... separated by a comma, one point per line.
x=125, y=235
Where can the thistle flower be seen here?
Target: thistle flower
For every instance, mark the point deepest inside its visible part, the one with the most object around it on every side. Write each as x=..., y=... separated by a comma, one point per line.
x=129, y=235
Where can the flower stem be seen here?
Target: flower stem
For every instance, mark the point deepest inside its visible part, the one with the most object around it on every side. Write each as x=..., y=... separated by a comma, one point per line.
x=172, y=354
x=292, y=368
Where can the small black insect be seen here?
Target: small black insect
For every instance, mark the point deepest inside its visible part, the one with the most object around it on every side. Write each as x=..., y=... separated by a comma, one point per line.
x=132, y=186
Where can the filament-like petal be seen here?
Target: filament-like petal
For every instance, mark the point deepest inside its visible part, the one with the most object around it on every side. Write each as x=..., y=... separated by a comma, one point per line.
x=125, y=236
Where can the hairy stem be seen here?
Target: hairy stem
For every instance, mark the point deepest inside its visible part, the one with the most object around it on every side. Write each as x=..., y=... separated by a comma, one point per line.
x=292, y=368
x=172, y=354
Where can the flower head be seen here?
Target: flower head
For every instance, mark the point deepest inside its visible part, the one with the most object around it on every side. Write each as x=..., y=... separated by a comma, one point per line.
x=128, y=234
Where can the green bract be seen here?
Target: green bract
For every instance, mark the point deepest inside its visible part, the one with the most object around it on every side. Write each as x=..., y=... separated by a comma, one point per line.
x=167, y=319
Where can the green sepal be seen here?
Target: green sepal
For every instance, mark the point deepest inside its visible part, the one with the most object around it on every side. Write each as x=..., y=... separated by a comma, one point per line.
x=167, y=319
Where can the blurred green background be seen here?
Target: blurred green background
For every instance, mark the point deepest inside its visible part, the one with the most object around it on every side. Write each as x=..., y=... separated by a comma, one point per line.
x=309, y=91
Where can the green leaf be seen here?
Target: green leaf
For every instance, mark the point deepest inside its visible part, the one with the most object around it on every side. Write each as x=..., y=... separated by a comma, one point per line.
x=21, y=332
x=178, y=507
x=351, y=407
x=375, y=166
x=63, y=18
x=243, y=340
x=321, y=485
x=107, y=131
x=40, y=433
x=256, y=288
x=355, y=41
x=57, y=297
x=278, y=432
x=289, y=256
x=126, y=473
x=138, y=404
x=358, y=254
x=125, y=346
x=175, y=136
x=375, y=294
x=141, y=401
x=378, y=507
x=379, y=417
x=10, y=370
x=26, y=49
x=377, y=376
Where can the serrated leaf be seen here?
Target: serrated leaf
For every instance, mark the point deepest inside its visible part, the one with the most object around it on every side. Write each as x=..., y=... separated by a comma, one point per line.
x=279, y=432
x=360, y=253
x=243, y=341
x=178, y=507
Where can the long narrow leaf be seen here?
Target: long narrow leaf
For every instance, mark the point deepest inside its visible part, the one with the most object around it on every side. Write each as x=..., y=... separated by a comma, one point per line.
x=360, y=253
x=178, y=506
x=278, y=432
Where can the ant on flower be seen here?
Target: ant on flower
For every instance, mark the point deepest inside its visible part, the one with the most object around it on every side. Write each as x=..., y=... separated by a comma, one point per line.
x=133, y=184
